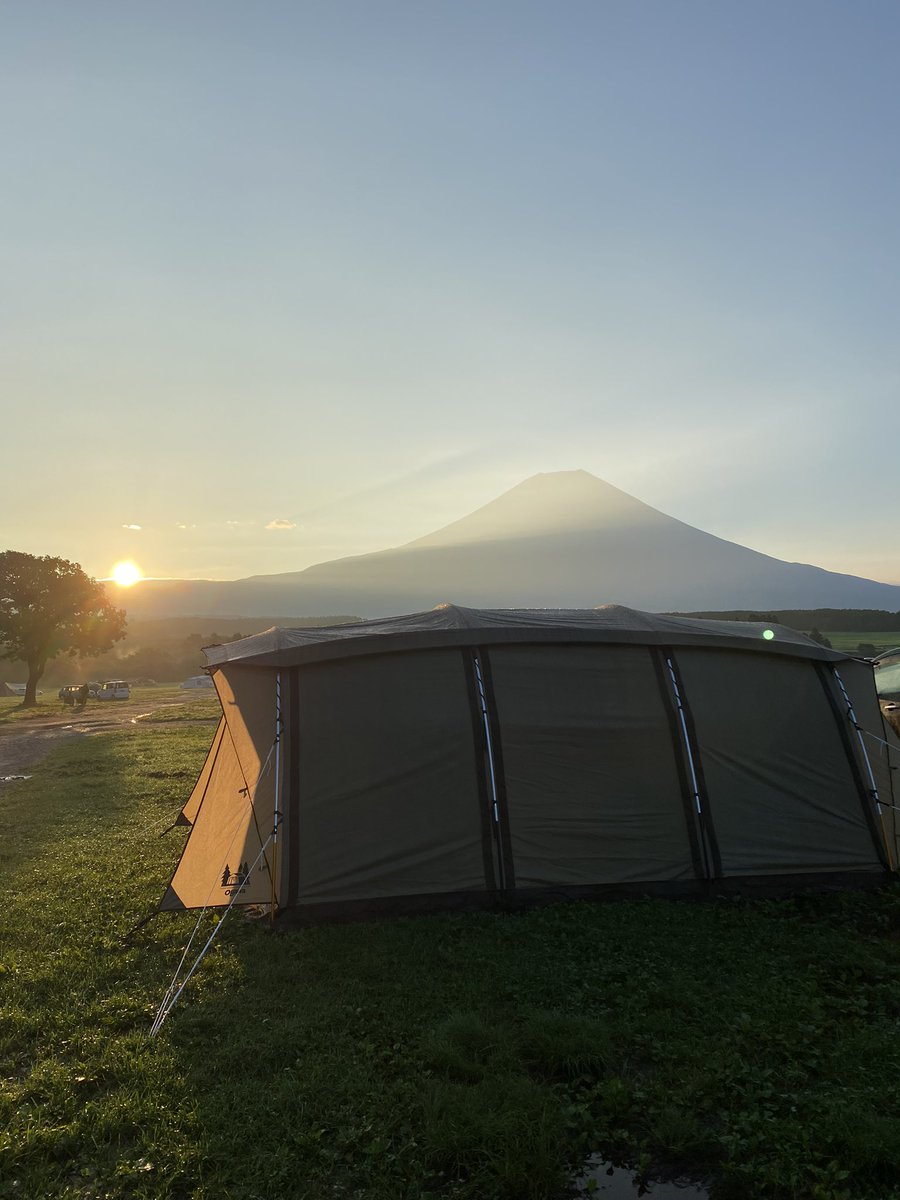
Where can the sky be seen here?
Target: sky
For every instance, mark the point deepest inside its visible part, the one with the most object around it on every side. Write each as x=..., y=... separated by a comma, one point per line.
x=289, y=280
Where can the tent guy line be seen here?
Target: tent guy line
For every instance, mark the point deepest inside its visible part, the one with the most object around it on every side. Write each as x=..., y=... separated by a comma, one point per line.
x=168, y=1004
x=169, y=1000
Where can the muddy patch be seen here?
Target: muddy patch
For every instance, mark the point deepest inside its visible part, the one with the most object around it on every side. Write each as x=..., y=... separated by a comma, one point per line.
x=21, y=749
x=601, y=1178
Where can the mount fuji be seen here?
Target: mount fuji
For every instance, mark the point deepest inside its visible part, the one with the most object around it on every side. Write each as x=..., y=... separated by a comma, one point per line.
x=558, y=540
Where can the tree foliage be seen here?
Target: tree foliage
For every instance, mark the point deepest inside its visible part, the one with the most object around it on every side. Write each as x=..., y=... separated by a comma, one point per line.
x=48, y=607
x=815, y=636
x=831, y=620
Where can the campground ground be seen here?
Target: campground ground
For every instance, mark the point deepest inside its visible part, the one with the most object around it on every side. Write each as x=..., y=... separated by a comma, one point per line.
x=28, y=735
x=751, y=1045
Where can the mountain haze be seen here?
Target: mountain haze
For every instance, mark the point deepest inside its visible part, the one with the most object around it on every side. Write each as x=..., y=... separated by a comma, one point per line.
x=561, y=540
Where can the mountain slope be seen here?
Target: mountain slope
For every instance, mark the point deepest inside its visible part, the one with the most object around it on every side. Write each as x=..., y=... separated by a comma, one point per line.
x=559, y=540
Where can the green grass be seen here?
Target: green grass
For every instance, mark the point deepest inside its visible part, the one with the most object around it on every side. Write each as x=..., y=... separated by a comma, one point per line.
x=477, y=1057
x=849, y=642
x=165, y=702
x=11, y=709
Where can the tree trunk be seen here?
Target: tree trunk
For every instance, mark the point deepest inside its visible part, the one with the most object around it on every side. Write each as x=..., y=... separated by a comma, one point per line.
x=35, y=671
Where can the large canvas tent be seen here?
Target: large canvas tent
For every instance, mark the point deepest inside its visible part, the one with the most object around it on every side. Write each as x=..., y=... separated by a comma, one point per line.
x=462, y=757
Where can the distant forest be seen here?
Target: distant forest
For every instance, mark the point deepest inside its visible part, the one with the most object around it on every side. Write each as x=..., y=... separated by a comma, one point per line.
x=169, y=649
x=828, y=620
x=159, y=650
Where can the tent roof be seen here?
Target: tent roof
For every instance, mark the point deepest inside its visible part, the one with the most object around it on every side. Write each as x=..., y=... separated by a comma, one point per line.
x=451, y=625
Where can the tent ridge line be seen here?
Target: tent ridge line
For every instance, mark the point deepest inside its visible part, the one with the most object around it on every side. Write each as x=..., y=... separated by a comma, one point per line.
x=404, y=641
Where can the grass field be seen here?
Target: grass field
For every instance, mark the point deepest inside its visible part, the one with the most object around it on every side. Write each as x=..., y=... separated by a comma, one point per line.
x=848, y=642
x=484, y=1056
x=168, y=702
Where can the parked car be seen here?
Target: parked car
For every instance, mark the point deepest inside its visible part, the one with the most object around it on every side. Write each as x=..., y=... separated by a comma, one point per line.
x=74, y=693
x=114, y=689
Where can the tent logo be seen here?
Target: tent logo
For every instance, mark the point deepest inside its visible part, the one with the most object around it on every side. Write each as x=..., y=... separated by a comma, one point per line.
x=235, y=881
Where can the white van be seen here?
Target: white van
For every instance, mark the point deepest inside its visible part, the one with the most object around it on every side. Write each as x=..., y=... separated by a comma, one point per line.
x=114, y=689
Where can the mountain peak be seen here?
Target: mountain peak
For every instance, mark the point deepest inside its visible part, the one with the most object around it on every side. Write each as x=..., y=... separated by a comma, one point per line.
x=546, y=503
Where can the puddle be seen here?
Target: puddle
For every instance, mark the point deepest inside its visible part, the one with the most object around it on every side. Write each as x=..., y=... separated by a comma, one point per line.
x=601, y=1178
x=10, y=778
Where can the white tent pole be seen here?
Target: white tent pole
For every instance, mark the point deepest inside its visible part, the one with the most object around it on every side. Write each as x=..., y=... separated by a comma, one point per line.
x=688, y=749
x=873, y=787
x=489, y=744
x=695, y=787
x=277, y=800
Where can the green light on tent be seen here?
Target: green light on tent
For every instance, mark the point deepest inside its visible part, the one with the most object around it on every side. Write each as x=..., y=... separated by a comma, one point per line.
x=768, y=634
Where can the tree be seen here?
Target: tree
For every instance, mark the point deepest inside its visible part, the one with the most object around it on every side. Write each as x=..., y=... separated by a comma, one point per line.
x=48, y=607
x=815, y=636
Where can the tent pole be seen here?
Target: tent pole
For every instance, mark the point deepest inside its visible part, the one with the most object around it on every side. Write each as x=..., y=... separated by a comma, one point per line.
x=873, y=787
x=277, y=801
x=492, y=781
x=695, y=786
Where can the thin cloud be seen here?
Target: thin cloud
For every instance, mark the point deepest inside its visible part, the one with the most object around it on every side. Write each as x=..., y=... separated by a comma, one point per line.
x=239, y=524
x=132, y=527
x=182, y=525
x=280, y=523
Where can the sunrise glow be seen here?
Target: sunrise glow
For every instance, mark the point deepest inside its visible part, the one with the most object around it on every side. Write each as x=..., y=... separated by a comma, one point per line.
x=127, y=573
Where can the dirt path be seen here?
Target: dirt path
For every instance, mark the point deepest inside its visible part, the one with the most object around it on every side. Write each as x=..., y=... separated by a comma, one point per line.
x=20, y=749
x=25, y=742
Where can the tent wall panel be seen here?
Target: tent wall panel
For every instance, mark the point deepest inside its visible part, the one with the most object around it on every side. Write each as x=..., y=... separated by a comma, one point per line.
x=192, y=804
x=247, y=695
x=224, y=837
x=780, y=786
x=233, y=817
x=592, y=780
x=387, y=799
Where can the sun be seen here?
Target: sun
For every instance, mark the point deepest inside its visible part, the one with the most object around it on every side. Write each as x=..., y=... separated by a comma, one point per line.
x=127, y=573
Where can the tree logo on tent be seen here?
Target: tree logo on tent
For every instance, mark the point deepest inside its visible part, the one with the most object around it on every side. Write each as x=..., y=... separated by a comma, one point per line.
x=235, y=881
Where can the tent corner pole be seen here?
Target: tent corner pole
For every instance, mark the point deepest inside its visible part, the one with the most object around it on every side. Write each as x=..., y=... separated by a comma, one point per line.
x=873, y=787
x=277, y=799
